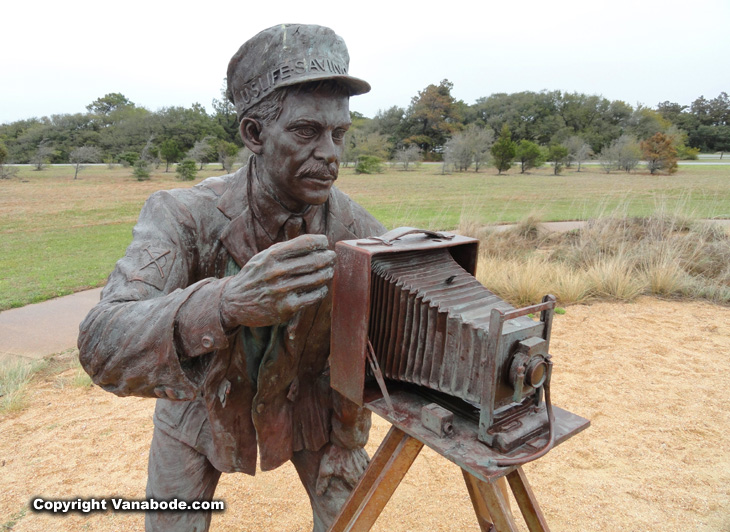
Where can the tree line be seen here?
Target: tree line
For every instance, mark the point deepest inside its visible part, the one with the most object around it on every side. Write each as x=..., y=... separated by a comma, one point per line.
x=561, y=127
x=116, y=130
x=434, y=127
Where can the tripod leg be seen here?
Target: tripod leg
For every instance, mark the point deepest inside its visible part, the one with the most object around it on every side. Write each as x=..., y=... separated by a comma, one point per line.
x=497, y=506
x=480, y=507
x=386, y=470
x=526, y=501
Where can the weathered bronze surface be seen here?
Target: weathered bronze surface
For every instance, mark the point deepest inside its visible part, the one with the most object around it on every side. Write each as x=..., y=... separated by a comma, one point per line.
x=221, y=307
x=407, y=306
x=485, y=480
x=436, y=329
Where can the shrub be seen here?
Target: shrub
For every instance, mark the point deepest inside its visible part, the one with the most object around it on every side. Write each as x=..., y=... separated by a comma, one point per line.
x=369, y=164
x=685, y=153
x=141, y=170
x=187, y=169
x=558, y=155
x=128, y=158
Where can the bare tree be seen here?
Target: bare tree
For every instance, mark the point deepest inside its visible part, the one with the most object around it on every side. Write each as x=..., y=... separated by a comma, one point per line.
x=609, y=158
x=84, y=154
x=629, y=152
x=41, y=156
x=202, y=150
x=151, y=153
x=623, y=153
x=481, y=140
x=578, y=151
x=471, y=146
x=458, y=152
x=7, y=171
x=583, y=154
x=405, y=156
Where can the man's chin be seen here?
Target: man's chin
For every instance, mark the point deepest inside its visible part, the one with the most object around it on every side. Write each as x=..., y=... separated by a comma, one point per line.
x=319, y=196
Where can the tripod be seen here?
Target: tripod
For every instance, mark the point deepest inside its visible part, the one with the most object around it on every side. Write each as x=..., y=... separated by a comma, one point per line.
x=403, y=443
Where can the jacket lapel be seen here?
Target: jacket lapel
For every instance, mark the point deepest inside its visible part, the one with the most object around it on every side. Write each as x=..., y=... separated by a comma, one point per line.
x=238, y=236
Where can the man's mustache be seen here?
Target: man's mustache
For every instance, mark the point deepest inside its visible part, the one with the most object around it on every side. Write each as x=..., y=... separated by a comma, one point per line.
x=318, y=170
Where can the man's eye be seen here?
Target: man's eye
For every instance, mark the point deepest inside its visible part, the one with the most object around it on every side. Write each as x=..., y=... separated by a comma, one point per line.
x=306, y=132
x=339, y=134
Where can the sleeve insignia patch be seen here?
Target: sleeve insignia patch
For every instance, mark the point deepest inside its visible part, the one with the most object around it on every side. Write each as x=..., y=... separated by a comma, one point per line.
x=155, y=265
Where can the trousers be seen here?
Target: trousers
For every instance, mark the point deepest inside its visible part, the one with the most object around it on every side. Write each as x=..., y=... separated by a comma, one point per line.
x=177, y=471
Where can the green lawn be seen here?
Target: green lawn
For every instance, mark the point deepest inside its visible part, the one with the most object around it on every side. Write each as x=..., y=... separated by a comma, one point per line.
x=428, y=199
x=58, y=235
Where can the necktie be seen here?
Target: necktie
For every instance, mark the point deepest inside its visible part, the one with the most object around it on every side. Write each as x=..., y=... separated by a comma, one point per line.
x=293, y=227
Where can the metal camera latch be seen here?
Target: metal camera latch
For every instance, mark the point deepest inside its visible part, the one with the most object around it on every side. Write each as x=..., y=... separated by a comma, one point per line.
x=438, y=420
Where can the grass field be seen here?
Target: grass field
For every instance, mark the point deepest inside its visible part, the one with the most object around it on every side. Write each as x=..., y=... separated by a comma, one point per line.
x=59, y=235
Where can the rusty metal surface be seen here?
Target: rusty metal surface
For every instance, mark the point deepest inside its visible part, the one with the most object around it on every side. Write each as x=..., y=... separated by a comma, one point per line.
x=413, y=305
x=351, y=288
x=427, y=319
x=463, y=447
x=438, y=420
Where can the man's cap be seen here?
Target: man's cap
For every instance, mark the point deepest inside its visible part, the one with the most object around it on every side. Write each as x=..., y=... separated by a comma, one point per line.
x=284, y=55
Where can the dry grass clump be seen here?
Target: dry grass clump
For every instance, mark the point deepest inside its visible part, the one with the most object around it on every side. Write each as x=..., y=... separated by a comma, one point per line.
x=610, y=258
x=64, y=368
x=664, y=276
x=518, y=281
x=615, y=277
x=526, y=281
x=14, y=379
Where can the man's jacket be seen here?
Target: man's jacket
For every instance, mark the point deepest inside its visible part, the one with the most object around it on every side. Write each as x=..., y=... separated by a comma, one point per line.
x=157, y=332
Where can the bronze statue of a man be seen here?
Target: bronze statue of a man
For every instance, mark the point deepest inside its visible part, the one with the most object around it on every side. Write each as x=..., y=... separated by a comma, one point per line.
x=220, y=306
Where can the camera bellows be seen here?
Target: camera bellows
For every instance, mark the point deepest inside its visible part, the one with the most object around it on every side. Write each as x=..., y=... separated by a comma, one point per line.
x=429, y=320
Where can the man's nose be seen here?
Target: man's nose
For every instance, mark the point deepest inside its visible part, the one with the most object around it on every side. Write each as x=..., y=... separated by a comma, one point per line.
x=326, y=150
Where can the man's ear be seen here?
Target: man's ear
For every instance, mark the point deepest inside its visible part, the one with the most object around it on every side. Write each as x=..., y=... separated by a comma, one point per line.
x=251, y=135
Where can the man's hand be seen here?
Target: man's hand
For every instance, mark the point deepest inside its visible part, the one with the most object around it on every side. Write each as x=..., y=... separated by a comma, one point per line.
x=345, y=464
x=278, y=282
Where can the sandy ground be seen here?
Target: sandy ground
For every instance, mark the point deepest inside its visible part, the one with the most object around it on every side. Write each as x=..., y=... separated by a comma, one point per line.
x=652, y=376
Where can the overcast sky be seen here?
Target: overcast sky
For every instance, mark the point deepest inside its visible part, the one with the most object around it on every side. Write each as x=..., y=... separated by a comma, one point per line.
x=57, y=57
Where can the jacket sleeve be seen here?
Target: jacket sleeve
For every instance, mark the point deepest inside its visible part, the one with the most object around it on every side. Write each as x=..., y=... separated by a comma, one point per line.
x=155, y=328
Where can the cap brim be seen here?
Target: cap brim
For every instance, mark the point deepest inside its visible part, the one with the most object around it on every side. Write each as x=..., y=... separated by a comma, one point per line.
x=357, y=86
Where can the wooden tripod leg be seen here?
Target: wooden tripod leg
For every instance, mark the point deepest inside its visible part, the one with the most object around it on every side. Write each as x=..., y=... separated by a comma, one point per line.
x=504, y=487
x=386, y=470
x=497, y=506
x=480, y=508
x=526, y=501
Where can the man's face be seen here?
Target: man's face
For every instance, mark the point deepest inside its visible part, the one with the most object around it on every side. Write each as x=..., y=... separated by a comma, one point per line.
x=301, y=150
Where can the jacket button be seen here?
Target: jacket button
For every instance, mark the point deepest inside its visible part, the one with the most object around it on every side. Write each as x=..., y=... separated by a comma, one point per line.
x=260, y=407
x=207, y=341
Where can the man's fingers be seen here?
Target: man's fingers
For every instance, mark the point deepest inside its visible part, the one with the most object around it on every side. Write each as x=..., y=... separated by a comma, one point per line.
x=304, y=264
x=297, y=301
x=301, y=245
x=299, y=286
x=281, y=274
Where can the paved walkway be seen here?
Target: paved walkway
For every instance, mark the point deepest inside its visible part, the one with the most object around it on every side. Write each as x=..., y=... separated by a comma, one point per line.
x=42, y=329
